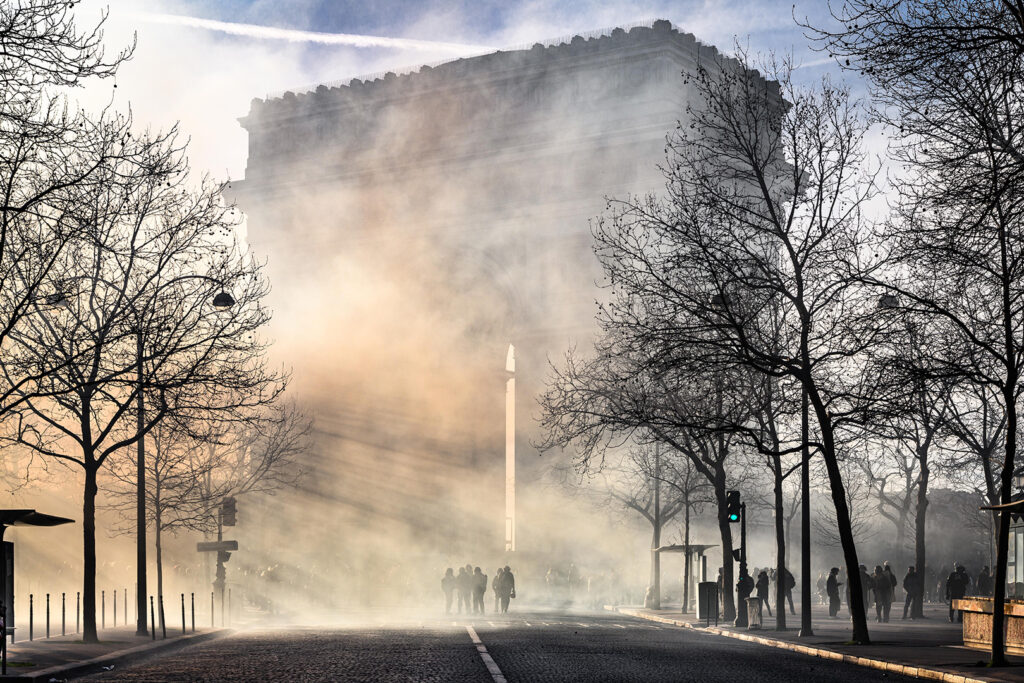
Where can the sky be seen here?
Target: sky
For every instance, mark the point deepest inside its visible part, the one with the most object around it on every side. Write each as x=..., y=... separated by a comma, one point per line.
x=201, y=62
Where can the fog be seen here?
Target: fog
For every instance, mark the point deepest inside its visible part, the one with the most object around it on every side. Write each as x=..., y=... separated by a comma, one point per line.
x=412, y=231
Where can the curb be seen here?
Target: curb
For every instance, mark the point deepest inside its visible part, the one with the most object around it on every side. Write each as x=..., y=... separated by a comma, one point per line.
x=824, y=653
x=87, y=666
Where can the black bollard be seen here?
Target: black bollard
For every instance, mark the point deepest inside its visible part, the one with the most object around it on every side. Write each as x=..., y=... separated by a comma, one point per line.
x=115, y=608
x=163, y=622
x=125, y=606
x=193, y=613
x=182, y=614
x=31, y=614
x=103, y=609
x=152, y=617
x=47, y=616
x=78, y=611
x=63, y=614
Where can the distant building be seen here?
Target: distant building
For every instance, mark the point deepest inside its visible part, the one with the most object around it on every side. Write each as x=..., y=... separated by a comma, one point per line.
x=417, y=224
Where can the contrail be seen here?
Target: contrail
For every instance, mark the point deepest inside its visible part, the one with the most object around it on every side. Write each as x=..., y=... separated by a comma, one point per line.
x=294, y=36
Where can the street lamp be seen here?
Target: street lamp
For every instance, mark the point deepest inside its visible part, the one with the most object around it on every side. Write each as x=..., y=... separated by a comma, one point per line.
x=222, y=301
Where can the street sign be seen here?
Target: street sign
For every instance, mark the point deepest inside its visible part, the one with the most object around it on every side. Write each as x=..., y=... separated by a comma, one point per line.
x=216, y=546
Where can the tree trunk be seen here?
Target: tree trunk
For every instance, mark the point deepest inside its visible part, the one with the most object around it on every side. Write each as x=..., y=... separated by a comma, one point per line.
x=157, y=537
x=1002, y=541
x=844, y=526
x=688, y=558
x=917, y=606
x=89, y=634
x=780, y=545
x=656, y=538
x=725, y=530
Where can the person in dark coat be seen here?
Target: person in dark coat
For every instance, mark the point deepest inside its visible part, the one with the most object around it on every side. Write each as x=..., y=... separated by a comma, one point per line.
x=789, y=583
x=761, y=587
x=866, y=585
x=464, y=586
x=448, y=586
x=985, y=583
x=494, y=587
x=479, y=588
x=956, y=588
x=882, y=589
x=832, y=585
x=507, y=588
x=912, y=585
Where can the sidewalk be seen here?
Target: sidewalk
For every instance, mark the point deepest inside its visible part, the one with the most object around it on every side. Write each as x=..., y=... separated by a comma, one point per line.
x=63, y=656
x=930, y=648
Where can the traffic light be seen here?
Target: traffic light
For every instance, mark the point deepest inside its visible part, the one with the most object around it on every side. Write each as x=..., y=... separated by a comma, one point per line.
x=732, y=505
x=227, y=512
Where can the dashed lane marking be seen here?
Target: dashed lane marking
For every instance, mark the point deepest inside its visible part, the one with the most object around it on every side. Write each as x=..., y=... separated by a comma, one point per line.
x=492, y=668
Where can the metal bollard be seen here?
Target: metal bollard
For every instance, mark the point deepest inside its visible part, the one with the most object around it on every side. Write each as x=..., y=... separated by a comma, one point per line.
x=125, y=606
x=152, y=617
x=78, y=611
x=31, y=614
x=115, y=608
x=182, y=614
x=163, y=622
x=47, y=616
x=103, y=609
x=193, y=613
x=63, y=614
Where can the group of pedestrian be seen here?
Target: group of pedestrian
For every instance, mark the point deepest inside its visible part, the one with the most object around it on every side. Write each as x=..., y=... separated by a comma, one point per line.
x=766, y=584
x=880, y=587
x=470, y=586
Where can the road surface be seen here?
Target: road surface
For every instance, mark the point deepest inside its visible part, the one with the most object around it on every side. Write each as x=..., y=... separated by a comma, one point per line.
x=527, y=647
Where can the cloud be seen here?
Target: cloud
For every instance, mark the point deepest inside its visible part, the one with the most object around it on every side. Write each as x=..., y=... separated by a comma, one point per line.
x=295, y=36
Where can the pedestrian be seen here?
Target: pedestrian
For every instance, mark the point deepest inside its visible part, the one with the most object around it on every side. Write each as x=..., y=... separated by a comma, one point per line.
x=866, y=586
x=788, y=586
x=448, y=586
x=463, y=584
x=822, y=593
x=479, y=588
x=882, y=589
x=507, y=588
x=892, y=578
x=956, y=588
x=762, y=590
x=985, y=583
x=832, y=585
x=912, y=585
x=494, y=587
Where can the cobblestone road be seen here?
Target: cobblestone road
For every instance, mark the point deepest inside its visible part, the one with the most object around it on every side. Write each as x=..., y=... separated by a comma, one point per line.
x=531, y=647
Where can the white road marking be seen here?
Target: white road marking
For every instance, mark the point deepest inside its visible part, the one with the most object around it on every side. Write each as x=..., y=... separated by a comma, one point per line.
x=492, y=668
x=527, y=623
x=618, y=626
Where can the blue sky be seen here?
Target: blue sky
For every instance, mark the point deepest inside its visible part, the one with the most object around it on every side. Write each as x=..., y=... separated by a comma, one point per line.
x=206, y=78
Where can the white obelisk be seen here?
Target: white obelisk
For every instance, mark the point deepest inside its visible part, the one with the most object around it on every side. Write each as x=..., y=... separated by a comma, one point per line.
x=510, y=451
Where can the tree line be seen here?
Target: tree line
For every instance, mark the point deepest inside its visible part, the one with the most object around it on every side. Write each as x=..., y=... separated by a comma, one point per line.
x=130, y=314
x=785, y=301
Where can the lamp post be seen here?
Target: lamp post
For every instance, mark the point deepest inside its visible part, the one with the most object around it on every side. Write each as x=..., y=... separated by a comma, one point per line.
x=222, y=300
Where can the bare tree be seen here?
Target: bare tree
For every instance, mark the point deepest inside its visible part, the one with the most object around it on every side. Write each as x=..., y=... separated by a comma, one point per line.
x=136, y=315
x=948, y=78
x=763, y=217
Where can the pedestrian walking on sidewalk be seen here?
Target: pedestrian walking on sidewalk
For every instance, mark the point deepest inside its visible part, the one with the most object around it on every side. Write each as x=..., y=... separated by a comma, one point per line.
x=883, y=594
x=507, y=588
x=912, y=585
x=762, y=590
x=788, y=586
x=956, y=588
x=832, y=585
x=985, y=583
x=479, y=588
